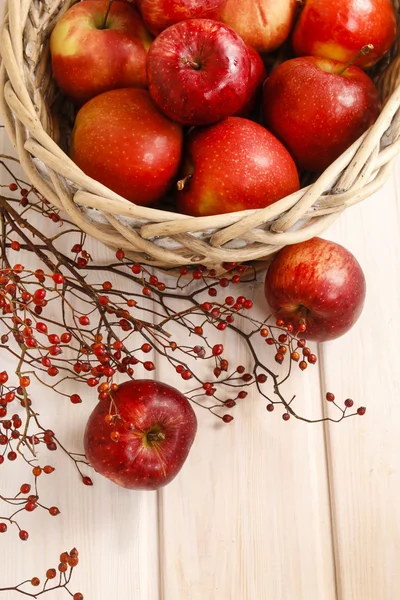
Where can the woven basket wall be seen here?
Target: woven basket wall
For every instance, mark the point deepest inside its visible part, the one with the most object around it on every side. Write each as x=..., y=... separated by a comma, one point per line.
x=28, y=97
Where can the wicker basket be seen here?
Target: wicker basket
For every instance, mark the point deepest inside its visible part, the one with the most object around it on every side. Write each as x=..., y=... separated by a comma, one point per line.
x=158, y=237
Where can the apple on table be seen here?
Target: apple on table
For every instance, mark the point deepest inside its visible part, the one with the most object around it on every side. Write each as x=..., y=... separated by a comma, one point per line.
x=234, y=165
x=89, y=58
x=121, y=139
x=146, y=446
x=318, y=107
x=263, y=24
x=198, y=72
x=339, y=29
x=318, y=283
x=160, y=14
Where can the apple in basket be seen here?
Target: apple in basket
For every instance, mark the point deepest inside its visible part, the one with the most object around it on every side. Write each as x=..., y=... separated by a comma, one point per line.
x=318, y=282
x=160, y=14
x=90, y=56
x=257, y=78
x=263, y=24
x=198, y=72
x=121, y=139
x=146, y=445
x=234, y=165
x=318, y=107
x=338, y=29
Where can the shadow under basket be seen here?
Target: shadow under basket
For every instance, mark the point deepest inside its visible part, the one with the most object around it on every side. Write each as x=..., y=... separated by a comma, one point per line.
x=157, y=237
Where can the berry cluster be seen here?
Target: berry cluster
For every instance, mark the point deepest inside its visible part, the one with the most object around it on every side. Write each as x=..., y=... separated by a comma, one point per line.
x=55, y=579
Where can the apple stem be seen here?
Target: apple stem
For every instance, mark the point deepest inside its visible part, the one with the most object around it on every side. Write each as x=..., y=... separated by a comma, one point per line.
x=192, y=63
x=155, y=436
x=182, y=182
x=107, y=13
x=364, y=50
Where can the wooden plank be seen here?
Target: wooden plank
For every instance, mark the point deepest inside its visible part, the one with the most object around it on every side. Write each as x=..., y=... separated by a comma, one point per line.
x=364, y=459
x=248, y=517
x=115, y=530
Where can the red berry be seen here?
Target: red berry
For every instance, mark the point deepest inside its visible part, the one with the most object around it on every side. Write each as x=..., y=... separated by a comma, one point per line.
x=51, y=573
x=3, y=527
x=58, y=278
x=186, y=375
x=286, y=416
x=330, y=397
x=13, y=187
x=242, y=395
x=212, y=292
x=25, y=488
x=227, y=418
x=149, y=366
x=348, y=403
x=77, y=596
x=66, y=337
x=15, y=246
x=217, y=350
x=87, y=481
x=270, y=407
x=53, y=510
x=35, y=581
x=84, y=320
x=303, y=365
x=23, y=535
x=12, y=455
x=75, y=399
x=361, y=411
x=262, y=378
x=146, y=348
x=48, y=469
x=107, y=286
x=120, y=254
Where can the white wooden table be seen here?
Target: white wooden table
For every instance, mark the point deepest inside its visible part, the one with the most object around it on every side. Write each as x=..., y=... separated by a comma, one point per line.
x=262, y=510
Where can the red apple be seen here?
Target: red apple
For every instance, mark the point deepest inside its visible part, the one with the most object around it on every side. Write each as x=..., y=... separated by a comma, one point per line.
x=155, y=428
x=88, y=59
x=234, y=165
x=258, y=75
x=338, y=29
x=318, y=111
x=121, y=139
x=160, y=14
x=264, y=24
x=198, y=72
x=318, y=282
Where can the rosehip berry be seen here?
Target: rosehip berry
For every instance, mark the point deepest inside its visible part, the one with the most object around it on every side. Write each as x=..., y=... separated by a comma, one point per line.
x=120, y=254
x=3, y=527
x=361, y=411
x=212, y=292
x=25, y=488
x=312, y=359
x=63, y=567
x=136, y=269
x=303, y=365
x=149, y=366
x=30, y=506
x=51, y=573
x=12, y=455
x=48, y=469
x=35, y=581
x=217, y=350
x=348, y=403
x=23, y=535
x=230, y=403
x=58, y=278
x=146, y=348
x=66, y=337
x=227, y=418
x=77, y=596
x=84, y=320
x=270, y=407
x=86, y=480
x=330, y=397
x=279, y=358
x=75, y=399
x=262, y=378
x=114, y=435
x=53, y=510
x=286, y=416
